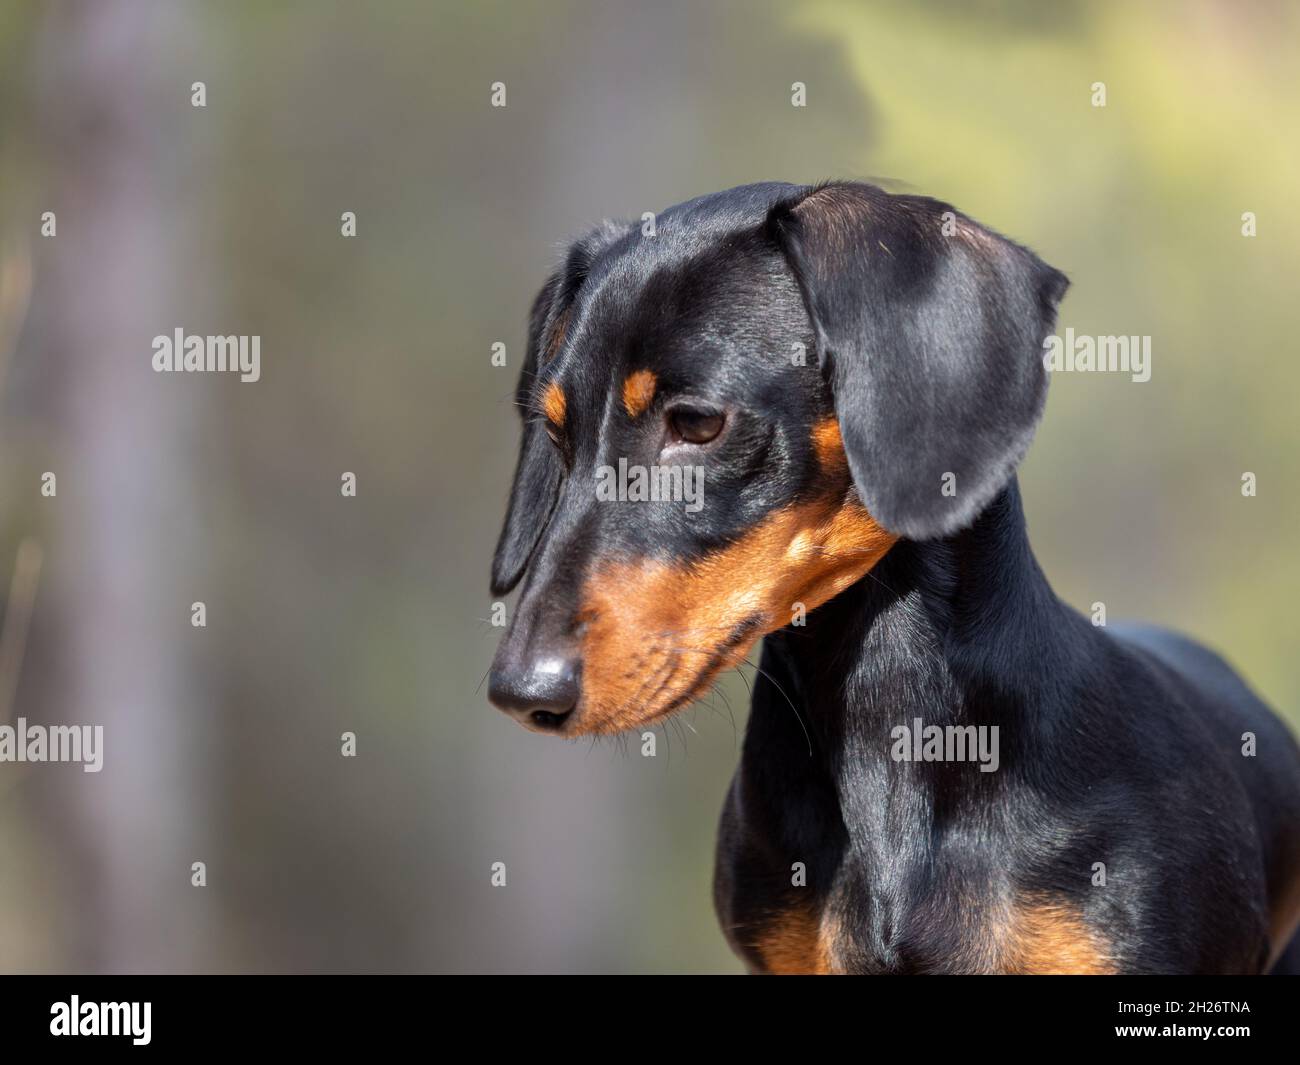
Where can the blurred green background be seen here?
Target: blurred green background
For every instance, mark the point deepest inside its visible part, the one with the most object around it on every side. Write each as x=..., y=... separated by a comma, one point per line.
x=328, y=614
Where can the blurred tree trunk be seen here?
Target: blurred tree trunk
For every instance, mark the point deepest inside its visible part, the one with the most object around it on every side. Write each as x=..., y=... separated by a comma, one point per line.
x=110, y=281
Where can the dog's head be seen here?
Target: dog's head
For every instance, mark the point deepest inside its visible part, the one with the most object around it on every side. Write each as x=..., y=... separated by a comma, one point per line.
x=730, y=421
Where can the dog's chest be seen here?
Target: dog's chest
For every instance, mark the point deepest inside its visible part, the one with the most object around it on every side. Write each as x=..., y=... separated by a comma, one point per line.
x=825, y=936
x=791, y=902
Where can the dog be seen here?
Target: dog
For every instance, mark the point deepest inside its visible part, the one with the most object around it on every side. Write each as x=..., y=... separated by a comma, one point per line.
x=857, y=374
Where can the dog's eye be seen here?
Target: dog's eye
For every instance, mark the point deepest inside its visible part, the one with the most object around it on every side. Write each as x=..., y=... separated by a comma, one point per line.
x=695, y=425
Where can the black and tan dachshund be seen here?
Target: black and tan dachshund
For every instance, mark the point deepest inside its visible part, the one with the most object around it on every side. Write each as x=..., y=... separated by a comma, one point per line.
x=854, y=375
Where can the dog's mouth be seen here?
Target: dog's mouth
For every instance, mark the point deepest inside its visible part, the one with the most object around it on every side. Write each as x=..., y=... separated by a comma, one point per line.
x=655, y=635
x=657, y=681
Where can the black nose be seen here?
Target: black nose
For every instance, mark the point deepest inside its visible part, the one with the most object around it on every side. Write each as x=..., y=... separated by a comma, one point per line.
x=540, y=694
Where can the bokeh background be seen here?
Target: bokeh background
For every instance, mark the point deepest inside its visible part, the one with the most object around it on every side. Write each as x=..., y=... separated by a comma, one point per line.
x=328, y=614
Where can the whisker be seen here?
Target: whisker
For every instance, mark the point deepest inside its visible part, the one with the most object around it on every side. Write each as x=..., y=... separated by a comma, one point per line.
x=771, y=679
x=798, y=716
x=731, y=713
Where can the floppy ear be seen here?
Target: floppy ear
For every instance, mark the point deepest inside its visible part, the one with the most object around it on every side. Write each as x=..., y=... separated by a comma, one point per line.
x=930, y=330
x=537, y=474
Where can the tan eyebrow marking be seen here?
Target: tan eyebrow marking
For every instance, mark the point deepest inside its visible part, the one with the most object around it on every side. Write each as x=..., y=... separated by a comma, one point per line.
x=638, y=392
x=554, y=404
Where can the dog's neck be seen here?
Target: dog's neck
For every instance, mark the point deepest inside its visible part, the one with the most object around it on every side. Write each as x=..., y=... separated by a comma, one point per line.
x=948, y=632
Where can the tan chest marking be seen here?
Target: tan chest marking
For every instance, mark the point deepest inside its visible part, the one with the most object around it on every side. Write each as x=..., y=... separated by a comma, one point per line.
x=795, y=943
x=1041, y=937
x=1284, y=920
x=1044, y=937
